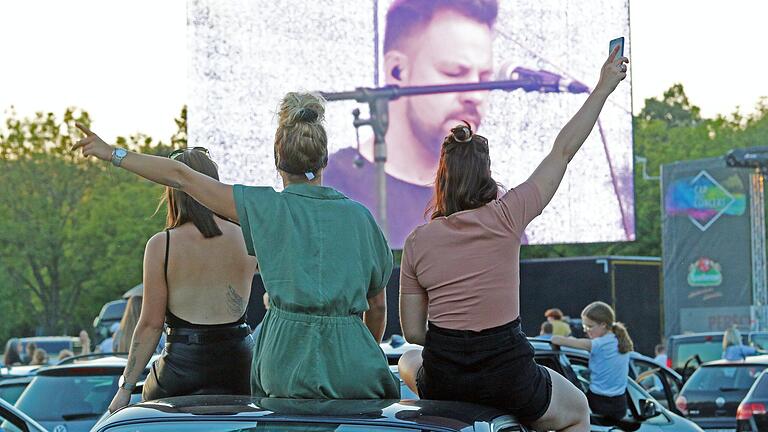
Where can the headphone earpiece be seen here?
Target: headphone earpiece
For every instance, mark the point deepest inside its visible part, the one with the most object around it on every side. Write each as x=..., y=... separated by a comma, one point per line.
x=396, y=73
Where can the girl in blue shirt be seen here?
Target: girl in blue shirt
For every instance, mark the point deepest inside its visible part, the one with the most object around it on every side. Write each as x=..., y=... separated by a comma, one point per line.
x=609, y=346
x=733, y=348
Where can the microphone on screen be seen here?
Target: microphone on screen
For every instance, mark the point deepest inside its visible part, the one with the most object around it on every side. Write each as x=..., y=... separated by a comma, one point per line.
x=540, y=81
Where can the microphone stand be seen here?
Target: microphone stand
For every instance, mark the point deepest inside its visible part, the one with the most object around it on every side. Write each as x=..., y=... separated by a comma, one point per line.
x=378, y=99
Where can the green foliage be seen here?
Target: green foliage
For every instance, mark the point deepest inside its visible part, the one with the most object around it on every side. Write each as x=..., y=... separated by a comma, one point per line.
x=72, y=231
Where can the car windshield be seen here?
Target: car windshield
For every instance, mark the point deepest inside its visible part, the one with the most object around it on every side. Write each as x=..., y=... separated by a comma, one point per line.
x=56, y=398
x=114, y=311
x=761, y=388
x=724, y=378
x=707, y=351
x=759, y=340
x=10, y=393
x=243, y=426
x=51, y=347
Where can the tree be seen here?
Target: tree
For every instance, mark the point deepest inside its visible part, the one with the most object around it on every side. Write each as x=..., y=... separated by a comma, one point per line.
x=72, y=232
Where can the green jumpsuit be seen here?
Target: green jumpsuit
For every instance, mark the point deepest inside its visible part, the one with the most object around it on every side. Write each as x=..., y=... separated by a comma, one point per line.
x=321, y=257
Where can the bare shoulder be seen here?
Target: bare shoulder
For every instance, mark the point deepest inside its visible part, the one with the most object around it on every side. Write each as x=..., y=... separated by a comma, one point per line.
x=156, y=243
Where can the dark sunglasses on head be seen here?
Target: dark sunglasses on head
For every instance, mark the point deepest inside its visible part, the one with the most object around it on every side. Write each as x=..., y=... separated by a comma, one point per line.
x=174, y=154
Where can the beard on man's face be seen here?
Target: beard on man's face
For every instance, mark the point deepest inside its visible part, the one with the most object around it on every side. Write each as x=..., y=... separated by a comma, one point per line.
x=431, y=136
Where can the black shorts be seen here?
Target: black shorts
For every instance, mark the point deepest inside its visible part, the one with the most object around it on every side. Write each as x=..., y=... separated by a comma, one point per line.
x=612, y=407
x=217, y=367
x=493, y=367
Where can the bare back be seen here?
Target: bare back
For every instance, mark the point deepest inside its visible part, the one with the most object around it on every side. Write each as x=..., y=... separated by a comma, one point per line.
x=209, y=279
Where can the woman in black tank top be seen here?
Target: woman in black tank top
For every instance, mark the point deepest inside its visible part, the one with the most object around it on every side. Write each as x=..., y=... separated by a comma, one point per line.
x=197, y=358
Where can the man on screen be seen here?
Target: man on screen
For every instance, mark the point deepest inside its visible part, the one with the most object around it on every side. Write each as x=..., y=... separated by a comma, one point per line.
x=425, y=42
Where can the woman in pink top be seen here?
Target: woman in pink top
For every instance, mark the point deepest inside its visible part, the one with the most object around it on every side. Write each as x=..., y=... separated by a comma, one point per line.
x=459, y=281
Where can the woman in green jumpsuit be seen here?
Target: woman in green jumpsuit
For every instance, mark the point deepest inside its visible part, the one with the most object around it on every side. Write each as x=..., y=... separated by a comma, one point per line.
x=323, y=259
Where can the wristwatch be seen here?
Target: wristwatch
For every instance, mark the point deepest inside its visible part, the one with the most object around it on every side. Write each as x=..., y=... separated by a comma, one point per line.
x=124, y=385
x=117, y=156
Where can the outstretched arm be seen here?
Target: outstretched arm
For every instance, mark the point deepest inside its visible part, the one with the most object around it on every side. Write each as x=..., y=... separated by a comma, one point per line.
x=208, y=191
x=581, y=343
x=549, y=173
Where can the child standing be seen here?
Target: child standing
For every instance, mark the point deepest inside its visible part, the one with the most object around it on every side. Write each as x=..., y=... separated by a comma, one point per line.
x=609, y=345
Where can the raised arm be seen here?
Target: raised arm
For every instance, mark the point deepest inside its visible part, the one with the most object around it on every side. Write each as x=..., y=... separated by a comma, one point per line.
x=209, y=192
x=549, y=173
x=580, y=343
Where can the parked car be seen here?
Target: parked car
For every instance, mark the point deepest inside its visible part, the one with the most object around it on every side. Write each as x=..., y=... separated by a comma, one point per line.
x=13, y=420
x=645, y=412
x=711, y=395
x=686, y=352
x=51, y=344
x=11, y=388
x=228, y=413
x=75, y=393
x=752, y=415
x=111, y=312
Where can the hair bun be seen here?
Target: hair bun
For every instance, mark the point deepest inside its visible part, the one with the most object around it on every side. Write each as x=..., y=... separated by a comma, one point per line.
x=301, y=108
x=307, y=115
x=462, y=133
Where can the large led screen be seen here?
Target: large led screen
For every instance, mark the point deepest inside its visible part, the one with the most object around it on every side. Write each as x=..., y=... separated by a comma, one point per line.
x=245, y=55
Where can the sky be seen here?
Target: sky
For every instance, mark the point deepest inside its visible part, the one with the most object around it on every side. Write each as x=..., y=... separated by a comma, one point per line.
x=125, y=61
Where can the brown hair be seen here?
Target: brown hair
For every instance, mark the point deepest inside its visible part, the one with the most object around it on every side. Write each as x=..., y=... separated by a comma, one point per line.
x=128, y=323
x=40, y=357
x=182, y=208
x=301, y=144
x=463, y=180
x=554, y=313
x=601, y=313
x=405, y=17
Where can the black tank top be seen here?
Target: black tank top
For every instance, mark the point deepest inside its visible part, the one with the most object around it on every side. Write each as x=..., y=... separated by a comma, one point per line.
x=175, y=322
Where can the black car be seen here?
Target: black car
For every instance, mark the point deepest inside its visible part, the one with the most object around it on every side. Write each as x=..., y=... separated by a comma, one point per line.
x=246, y=414
x=73, y=395
x=713, y=393
x=752, y=416
x=13, y=420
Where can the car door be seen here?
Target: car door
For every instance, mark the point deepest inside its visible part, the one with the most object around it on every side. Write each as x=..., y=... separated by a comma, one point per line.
x=663, y=386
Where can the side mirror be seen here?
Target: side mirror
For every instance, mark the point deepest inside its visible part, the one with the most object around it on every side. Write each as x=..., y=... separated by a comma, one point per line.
x=648, y=409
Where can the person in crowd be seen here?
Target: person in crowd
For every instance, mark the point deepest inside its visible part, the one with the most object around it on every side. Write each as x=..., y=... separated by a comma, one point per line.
x=85, y=342
x=733, y=348
x=108, y=344
x=545, y=332
x=197, y=280
x=65, y=354
x=28, y=353
x=11, y=356
x=660, y=352
x=455, y=271
x=39, y=357
x=559, y=326
x=312, y=335
x=609, y=345
x=122, y=339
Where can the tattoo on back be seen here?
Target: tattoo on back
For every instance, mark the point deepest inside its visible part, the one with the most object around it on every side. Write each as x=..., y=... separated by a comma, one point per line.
x=235, y=303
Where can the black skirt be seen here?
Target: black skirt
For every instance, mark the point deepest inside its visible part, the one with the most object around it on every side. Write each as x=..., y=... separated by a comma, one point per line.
x=215, y=361
x=493, y=367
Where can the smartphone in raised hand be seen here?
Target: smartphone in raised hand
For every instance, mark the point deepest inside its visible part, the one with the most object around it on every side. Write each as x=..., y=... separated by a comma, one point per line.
x=620, y=42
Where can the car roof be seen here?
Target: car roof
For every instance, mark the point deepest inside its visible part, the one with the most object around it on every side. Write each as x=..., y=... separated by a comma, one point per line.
x=437, y=414
x=118, y=363
x=748, y=361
